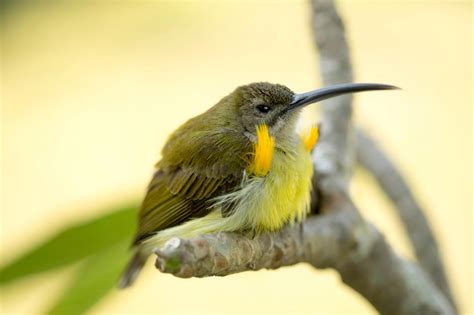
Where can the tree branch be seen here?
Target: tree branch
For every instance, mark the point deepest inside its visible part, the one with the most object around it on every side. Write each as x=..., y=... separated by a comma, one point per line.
x=336, y=145
x=341, y=240
x=372, y=158
x=336, y=68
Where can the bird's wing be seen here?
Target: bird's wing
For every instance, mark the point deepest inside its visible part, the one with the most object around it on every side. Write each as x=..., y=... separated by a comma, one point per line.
x=189, y=174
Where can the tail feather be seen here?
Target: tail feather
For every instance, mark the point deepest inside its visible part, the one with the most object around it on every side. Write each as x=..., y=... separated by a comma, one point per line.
x=132, y=270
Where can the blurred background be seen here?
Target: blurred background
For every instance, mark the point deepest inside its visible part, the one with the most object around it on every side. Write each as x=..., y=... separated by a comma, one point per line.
x=91, y=90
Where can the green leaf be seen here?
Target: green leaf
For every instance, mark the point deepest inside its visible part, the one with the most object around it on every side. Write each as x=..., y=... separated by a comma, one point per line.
x=94, y=279
x=73, y=244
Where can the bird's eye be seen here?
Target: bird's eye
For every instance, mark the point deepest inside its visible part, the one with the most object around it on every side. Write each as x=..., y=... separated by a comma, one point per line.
x=263, y=108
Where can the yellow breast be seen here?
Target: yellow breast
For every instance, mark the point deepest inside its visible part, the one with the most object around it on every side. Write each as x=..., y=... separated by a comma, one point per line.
x=277, y=188
x=284, y=194
x=281, y=190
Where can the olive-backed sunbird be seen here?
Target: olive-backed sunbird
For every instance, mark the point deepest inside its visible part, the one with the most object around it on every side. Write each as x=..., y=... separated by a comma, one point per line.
x=239, y=166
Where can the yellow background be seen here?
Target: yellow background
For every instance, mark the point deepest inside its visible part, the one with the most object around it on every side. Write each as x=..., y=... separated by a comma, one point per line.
x=90, y=91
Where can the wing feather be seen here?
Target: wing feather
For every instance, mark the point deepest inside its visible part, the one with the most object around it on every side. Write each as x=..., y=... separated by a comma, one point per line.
x=182, y=186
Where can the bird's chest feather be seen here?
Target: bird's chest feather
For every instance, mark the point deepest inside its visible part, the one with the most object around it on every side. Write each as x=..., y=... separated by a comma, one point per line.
x=266, y=203
x=283, y=195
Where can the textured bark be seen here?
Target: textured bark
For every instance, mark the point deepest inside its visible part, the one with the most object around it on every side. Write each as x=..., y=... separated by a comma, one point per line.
x=336, y=149
x=339, y=238
x=412, y=216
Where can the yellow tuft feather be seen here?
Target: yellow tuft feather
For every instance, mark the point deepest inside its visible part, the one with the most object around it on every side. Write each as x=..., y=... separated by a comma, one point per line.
x=310, y=138
x=263, y=152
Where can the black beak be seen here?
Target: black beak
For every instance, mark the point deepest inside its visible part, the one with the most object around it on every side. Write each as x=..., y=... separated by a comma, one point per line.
x=303, y=99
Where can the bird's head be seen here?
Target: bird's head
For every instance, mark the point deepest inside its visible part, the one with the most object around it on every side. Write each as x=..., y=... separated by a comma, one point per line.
x=277, y=106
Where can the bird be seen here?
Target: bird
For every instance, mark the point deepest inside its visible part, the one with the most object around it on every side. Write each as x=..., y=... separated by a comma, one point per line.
x=240, y=166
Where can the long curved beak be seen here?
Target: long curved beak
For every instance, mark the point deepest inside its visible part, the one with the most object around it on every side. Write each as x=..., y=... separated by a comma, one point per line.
x=303, y=99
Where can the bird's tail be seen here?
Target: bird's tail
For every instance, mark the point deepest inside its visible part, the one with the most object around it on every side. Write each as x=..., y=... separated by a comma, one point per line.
x=132, y=270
